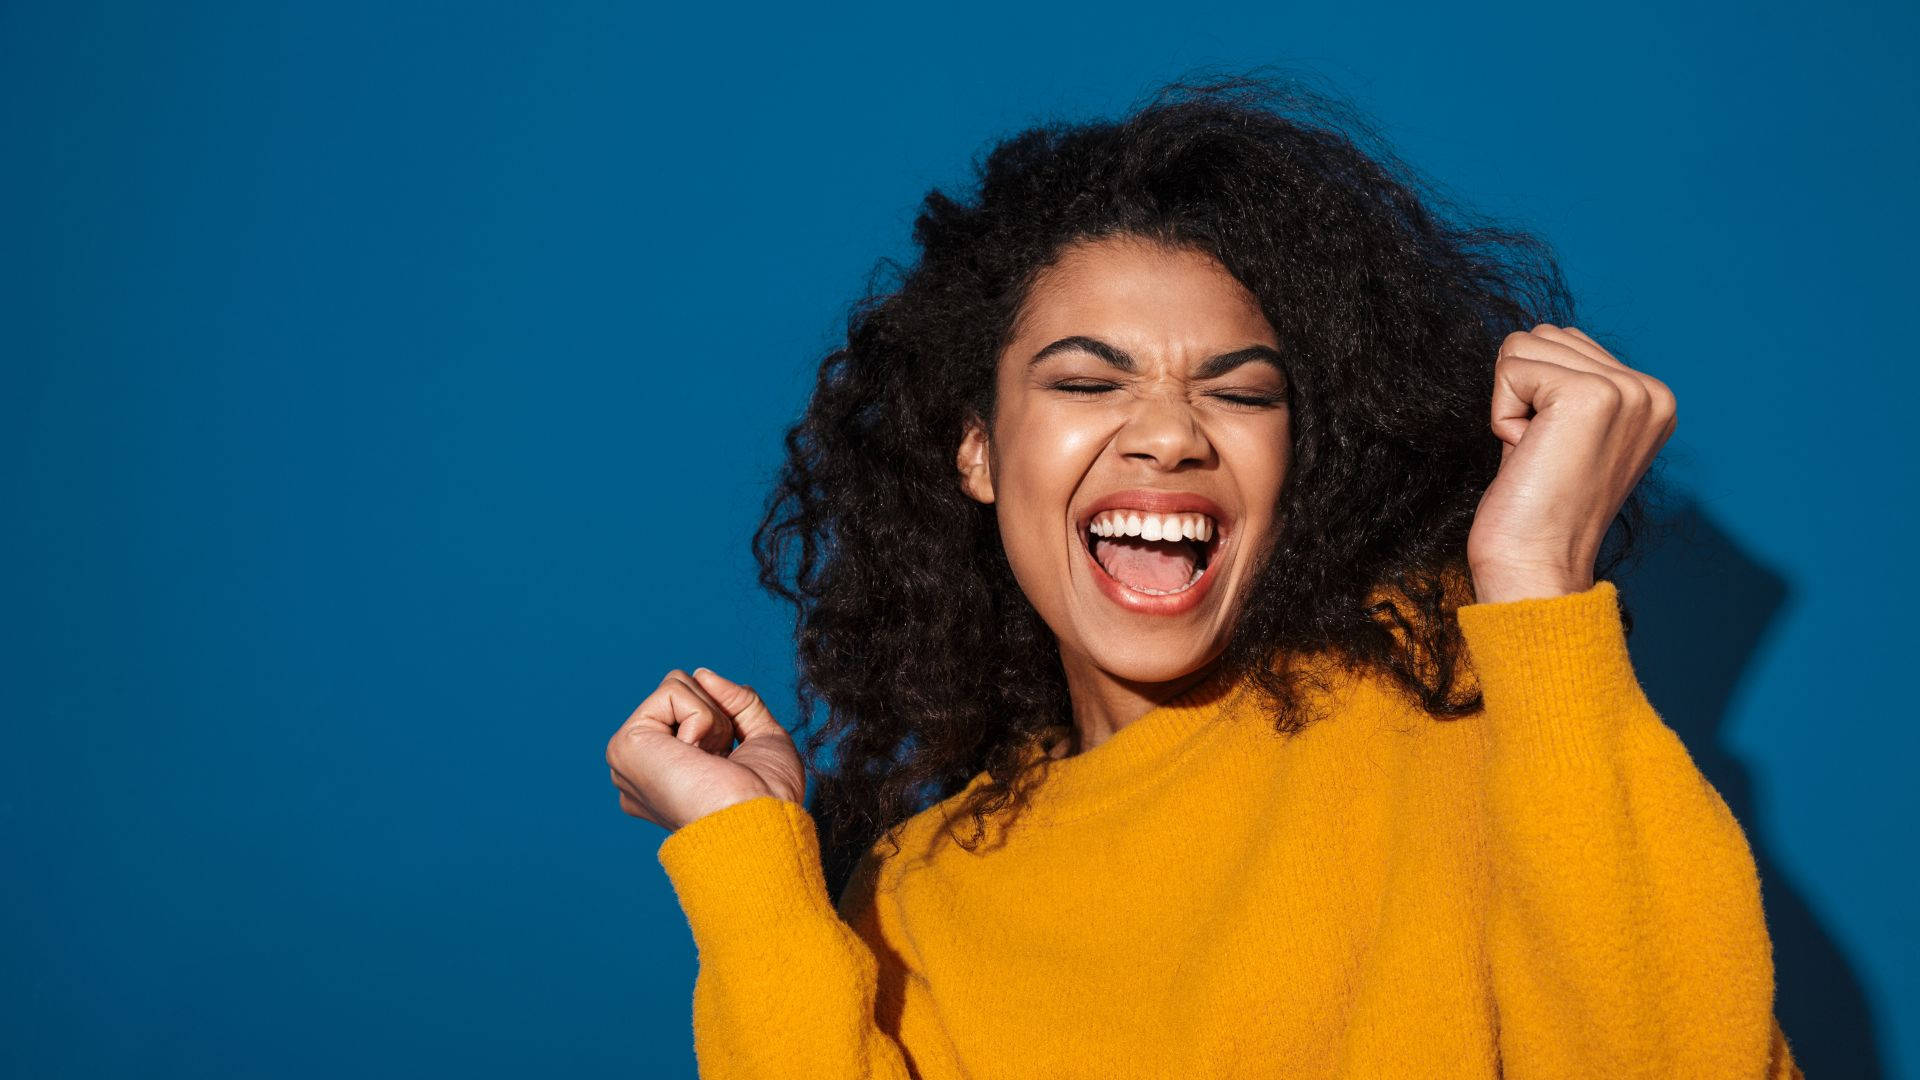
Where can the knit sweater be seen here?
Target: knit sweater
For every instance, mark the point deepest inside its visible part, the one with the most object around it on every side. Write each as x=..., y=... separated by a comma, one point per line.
x=1546, y=889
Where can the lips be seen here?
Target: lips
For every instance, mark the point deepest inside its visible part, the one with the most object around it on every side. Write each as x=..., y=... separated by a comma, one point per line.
x=1148, y=501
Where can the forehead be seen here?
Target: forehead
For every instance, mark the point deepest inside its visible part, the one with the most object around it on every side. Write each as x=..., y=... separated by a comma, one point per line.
x=1155, y=297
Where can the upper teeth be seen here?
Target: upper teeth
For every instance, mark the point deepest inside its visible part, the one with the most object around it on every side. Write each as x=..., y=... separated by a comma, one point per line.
x=1152, y=526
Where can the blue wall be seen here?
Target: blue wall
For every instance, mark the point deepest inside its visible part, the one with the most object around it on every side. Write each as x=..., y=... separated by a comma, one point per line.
x=390, y=390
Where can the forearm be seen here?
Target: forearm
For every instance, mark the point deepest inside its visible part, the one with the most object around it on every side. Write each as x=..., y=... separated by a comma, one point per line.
x=1627, y=935
x=786, y=988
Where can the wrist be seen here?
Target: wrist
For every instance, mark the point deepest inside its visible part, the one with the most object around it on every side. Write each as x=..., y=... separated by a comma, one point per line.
x=1504, y=584
x=718, y=801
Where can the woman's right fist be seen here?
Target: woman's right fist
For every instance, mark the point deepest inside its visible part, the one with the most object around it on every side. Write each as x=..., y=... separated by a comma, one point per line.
x=674, y=760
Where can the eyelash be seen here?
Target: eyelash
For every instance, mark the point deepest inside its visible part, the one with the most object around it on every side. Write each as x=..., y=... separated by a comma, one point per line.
x=1100, y=388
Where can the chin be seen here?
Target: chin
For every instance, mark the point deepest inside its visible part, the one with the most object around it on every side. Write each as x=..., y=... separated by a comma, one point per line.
x=1148, y=661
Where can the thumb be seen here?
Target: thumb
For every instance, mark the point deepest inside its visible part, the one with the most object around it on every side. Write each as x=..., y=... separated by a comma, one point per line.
x=750, y=714
x=1522, y=386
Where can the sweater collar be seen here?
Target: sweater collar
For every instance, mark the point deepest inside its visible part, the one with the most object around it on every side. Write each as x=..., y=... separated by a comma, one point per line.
x=1070, y=788
x=1149, y=746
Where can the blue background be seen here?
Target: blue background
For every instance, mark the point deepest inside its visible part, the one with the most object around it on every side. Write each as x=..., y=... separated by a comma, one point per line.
x=391, y=389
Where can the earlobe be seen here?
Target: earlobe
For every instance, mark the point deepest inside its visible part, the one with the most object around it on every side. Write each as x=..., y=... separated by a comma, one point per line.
x=974, y=462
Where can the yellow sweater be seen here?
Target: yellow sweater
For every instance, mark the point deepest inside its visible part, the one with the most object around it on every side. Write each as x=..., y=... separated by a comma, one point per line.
x=1548, y=889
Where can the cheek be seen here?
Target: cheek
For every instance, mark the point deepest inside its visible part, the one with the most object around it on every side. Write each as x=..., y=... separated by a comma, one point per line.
x=1040, y=471
x=1045, y=458
x=1032, y=513
x=1259, y=457
x=1034, y=558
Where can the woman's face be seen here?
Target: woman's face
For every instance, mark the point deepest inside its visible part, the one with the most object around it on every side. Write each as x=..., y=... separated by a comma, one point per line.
x=1141, y=399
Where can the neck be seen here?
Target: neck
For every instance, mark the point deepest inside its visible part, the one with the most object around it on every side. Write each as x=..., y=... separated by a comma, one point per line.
x=1103, y=702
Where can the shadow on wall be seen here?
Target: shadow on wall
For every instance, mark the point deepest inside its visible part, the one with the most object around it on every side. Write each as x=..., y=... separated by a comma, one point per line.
x=1701, y=608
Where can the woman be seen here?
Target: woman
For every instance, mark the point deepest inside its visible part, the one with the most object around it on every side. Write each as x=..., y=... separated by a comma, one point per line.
x=1200, y=554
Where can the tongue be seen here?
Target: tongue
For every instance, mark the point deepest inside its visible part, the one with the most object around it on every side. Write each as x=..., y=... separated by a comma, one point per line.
x=1146, y=564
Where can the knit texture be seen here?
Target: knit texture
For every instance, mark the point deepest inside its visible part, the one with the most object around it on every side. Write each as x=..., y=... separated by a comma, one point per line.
x=1546, y=889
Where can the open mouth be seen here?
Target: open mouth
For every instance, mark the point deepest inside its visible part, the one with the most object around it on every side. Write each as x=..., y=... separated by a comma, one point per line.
x=1152, y=554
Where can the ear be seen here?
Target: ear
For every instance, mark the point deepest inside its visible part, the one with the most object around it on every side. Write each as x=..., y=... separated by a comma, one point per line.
x=975, y=462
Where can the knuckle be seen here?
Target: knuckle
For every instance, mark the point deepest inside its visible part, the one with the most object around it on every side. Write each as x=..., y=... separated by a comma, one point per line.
x=1605, y=391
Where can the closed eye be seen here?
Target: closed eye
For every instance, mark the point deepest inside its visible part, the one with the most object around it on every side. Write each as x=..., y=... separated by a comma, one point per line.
x=1240, y=399
x=1254, y=401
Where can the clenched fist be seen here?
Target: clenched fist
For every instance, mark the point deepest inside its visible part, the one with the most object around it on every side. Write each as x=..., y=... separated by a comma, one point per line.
x=1578, y=428
x=674, y=760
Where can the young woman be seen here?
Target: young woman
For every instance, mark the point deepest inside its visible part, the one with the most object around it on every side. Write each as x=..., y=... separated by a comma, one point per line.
x=1200, y=553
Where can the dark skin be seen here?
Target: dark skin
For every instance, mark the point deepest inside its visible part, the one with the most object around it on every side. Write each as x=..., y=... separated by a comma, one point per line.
x=1579, y=429
x=1073, y=428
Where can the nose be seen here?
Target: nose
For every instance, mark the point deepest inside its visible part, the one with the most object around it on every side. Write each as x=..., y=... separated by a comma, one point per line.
x=1161, y=428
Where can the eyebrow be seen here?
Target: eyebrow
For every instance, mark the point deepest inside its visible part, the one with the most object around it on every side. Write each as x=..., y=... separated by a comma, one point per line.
x=1209, y=368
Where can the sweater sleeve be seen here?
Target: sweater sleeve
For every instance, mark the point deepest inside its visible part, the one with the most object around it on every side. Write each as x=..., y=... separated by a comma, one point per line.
x=1626, y=936
x=786, y=988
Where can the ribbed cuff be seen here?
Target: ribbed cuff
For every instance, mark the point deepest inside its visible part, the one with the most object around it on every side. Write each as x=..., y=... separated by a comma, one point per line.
x=1558, y=683
x=743, y=869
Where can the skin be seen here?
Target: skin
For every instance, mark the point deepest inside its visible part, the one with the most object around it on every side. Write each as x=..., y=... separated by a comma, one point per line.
x=1054, y=450
x=1578, y=427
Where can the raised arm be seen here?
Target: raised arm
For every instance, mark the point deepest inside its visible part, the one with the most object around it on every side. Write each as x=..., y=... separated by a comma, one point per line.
x=786, y=987
x=1627, y=935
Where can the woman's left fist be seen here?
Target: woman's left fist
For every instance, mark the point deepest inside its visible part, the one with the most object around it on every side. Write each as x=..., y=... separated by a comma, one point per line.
x=1580, y=428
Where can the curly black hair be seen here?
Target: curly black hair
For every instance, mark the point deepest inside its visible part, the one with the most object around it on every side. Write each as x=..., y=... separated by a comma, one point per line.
x=911, y=628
